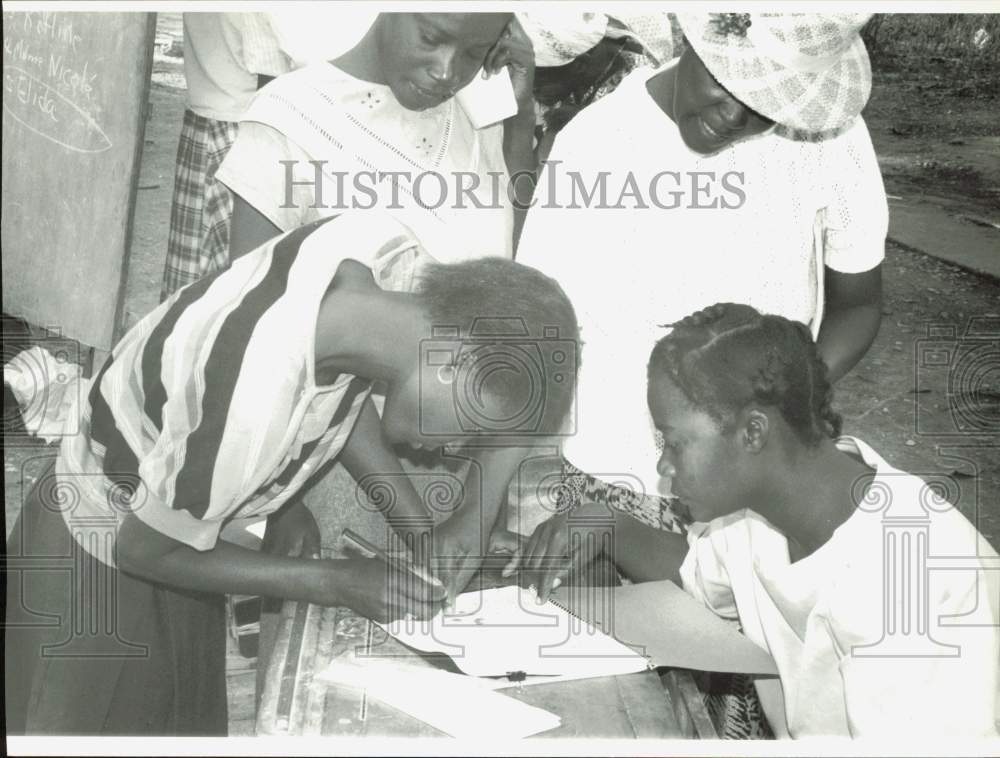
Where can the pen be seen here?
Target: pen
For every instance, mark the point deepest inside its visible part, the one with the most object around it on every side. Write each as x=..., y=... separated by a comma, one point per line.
x=358, y=543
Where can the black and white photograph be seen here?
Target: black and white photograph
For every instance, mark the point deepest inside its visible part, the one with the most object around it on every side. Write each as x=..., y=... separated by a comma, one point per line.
x=501, y=378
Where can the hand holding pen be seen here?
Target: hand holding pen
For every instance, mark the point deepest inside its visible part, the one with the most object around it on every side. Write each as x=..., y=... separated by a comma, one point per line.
x=387, y=587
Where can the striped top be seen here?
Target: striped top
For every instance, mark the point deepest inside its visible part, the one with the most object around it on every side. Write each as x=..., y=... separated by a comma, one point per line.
x=208, y=409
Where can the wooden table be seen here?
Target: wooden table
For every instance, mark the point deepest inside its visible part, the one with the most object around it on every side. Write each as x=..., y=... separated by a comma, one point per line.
x=309, y=637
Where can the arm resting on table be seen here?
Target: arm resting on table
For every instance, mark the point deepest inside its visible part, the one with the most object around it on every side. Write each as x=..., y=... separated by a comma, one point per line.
x=646, y=554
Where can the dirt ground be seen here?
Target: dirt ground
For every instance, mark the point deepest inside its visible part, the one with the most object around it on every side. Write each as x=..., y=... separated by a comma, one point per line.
x=934, y=123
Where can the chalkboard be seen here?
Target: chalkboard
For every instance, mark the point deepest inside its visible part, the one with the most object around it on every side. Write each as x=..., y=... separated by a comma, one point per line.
x=76, y=87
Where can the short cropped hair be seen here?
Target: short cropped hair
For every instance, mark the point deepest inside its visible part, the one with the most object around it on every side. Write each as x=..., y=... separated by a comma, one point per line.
x=499, y=301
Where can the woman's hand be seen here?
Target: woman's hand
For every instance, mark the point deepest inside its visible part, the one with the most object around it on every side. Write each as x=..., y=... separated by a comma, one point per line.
x=457, y=552
x=514, y=50
x=380, y=592
x=292, y=531
x=552, y=554
x=505, y=542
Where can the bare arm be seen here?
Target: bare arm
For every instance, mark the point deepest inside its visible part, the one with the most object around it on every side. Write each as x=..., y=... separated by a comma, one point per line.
x=226, y=568
x=486, y=491
x=462, y=542
x=646, y=554
x=570, y=541
x=522, y=164
x=370, y=460
x=851, y=318
x=249, y=228
x=515, y=51
x=358, y=583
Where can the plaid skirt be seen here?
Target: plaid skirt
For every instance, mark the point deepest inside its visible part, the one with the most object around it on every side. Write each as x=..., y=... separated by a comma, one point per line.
x=202, y=208
x=91, y=650
x=731, y=699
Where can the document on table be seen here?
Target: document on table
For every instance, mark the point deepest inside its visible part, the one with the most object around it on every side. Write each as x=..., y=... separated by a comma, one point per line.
x=502, y=631
x=669, y=627
x=462, y=706
x=496, y=632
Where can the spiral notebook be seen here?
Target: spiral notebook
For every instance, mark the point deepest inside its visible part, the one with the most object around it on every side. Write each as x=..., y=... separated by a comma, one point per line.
x=668, y=627
x=504, y=631
x=583, y=632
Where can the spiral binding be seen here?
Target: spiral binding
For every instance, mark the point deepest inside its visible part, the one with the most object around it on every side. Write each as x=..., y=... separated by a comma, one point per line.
x=649, y=662
x=574, y=615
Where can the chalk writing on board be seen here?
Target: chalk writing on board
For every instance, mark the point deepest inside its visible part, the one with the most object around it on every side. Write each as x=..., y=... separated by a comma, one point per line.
x=47, y=88
x=48, y=113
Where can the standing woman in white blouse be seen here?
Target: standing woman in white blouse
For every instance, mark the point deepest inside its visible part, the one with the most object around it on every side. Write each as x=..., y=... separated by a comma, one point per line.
x=742, y=172
x=382, y=120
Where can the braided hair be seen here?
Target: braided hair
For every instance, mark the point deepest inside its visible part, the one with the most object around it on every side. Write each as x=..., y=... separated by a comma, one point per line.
x=728, y=356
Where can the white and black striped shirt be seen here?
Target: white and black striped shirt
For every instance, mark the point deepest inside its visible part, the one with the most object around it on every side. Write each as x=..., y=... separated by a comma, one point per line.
x=208, y=409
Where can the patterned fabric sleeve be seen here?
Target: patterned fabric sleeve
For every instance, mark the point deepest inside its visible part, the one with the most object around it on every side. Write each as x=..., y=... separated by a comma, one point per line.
x=261, y=49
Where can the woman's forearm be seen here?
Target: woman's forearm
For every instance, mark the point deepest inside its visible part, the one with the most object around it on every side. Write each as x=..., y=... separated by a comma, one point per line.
x=226, y=568
x=846, y=336
x=851, y=318
x=643, y=553
x=486, y=486
x=521, y=160
x=369, y=459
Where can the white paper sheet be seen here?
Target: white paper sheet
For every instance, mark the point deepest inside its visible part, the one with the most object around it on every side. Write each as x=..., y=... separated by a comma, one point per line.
x=670, y=628
x=462, y=706
x=499, y=631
